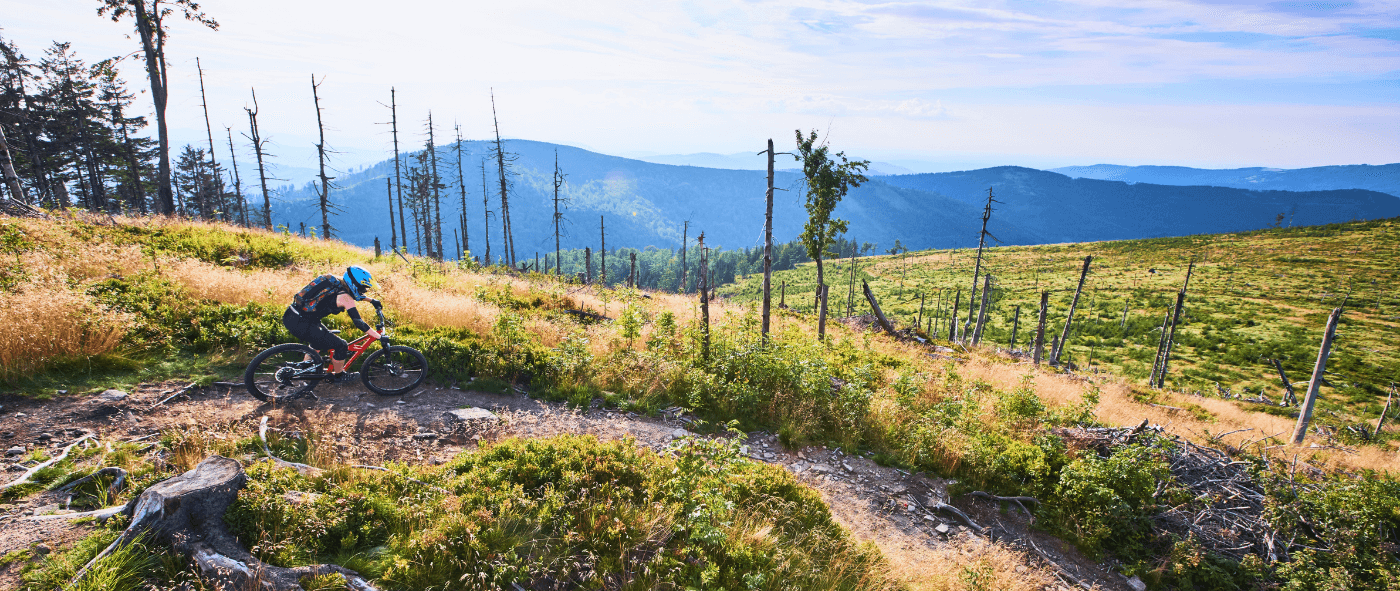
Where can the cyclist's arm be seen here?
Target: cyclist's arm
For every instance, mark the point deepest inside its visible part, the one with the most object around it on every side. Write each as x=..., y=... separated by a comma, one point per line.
x=348, y=303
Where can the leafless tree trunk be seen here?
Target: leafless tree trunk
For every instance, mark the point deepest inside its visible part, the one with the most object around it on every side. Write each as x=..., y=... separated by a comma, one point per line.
x=587, y=265
x=1015, y=324
x=977, y=270
x=466, y=245
x=768, y=246
x=321, y=157
x=486, y=209
x=1040, y=328
x=258, y=152
x=982, y=310
x=1069, y=320
x=209, y=130
x=953, y=318
x=684, y=228
x=1290, y=397
x=1176, y=318
x=1309, y=399
x=437, y=196
x=632, y=277
x=558, y=181
x=398, y=176
x=237, y=181
x=821, y=315
x=704, y=299
x=875, y=307
x=507, y=239
x=1380, y=422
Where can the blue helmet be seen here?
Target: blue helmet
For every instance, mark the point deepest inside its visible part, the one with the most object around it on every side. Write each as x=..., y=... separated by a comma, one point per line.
x=358, y=280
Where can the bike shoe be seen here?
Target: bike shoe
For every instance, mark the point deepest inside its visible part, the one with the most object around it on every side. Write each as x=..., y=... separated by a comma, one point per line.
x=343, y=377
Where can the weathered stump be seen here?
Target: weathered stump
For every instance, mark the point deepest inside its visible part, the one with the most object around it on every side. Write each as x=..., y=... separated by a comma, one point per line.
x=187, y=512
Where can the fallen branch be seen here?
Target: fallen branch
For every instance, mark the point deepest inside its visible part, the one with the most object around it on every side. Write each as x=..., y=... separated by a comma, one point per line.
x=180, y=392
x=100, y=514
x=1059, y=570
x=30, y=473
x=956, y=512
x=1000, y=499
x=302, y=469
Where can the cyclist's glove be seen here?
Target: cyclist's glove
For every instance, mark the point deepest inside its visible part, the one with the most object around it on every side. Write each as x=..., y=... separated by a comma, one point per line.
x=376, y=304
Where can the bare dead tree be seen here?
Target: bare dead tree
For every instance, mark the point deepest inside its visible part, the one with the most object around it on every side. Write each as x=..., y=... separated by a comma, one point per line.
x=486, y=208
x=1319, y=370
x=977, y=270
x=1039, y=348
x=436, y=234
x=321, y=157
x=7, y=167
x=507, y=239
x=1176, y=318
x=258, y=145
x=237, y=182
x=704, y=300
x=209, y=130
x=602, y=252
x=685, y=227
x=558, y=181
x=393, y=228
x=398, y=176
x=1069, y=319
x=466, y=245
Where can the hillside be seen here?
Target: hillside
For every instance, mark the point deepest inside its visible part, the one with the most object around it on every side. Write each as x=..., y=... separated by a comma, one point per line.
x=645, y=204
x=836, y=464
x=1253, y=297
x=1384, y=178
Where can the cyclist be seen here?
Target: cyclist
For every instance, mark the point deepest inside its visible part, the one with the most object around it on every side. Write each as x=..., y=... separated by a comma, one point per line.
x=324, y=296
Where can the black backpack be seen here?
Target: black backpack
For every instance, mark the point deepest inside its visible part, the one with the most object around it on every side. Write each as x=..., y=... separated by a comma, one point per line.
x=310, y=297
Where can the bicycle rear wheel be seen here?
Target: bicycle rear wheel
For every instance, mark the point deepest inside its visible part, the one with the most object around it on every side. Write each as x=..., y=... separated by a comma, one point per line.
x=284, y=372
x=394, y=370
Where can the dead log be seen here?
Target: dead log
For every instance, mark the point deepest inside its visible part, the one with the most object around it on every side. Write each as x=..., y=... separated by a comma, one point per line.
x=1305, y=412
x=187, y=512
x=302, y=469
x=874, y=305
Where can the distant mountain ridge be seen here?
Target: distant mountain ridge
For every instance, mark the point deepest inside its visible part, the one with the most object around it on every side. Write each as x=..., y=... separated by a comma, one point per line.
x=1384, y=178
x=646, y=204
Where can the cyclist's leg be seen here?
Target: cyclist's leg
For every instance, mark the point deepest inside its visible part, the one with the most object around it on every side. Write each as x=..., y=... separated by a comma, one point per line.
x=322, y=339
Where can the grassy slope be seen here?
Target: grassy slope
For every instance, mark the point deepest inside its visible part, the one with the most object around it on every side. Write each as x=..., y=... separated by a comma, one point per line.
x=1253, y=296
x=153, y=290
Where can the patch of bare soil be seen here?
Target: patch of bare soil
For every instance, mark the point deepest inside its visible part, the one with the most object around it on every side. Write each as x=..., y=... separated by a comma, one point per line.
x=889, y=507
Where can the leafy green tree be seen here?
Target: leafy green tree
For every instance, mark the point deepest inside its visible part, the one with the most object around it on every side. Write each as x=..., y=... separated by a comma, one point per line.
x=829, y=177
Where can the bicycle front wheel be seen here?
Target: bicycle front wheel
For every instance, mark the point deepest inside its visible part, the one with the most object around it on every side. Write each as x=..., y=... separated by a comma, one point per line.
x=394, y=370
x=283, y=372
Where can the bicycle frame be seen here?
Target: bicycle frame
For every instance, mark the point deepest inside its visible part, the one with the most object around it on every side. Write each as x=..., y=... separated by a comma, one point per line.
x=360, y=345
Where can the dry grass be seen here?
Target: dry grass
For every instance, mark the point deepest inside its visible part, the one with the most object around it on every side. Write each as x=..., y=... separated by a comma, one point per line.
x=51, y=321
x=966, y=564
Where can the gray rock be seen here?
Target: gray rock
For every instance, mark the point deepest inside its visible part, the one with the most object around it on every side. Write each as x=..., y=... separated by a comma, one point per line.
x=942, y=529
x=423, y=436
x=822, y=468
x=1137, y=584
x=45, y=436
x=679, y=433
x=112, y=396
x=15, y=451
x=470, y=414
x=847, y=467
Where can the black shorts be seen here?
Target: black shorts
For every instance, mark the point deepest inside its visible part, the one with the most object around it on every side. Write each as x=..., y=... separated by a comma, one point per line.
x=312, y=332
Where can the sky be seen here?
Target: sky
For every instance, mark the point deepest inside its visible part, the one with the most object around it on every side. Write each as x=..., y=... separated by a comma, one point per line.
x=926, y=85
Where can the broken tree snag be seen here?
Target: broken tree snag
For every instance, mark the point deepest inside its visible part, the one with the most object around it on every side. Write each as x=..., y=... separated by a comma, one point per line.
x=1069, y=320
x=1305, y=412
x=1290, y=397
x=704, y=297
x=187, y=512
x=982, y=309
x=1384, y=411
x=1015, y=324
x=874, y=305
x=953, y=320
x=1039, y=348
x=1171, y=335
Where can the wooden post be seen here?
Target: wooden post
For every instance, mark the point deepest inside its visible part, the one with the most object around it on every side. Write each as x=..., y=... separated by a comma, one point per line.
x=376, y=247
x=920, y=320
x=1124, y=323
x=1290, y=398
x=768, y=247
x=1309, y=399
x=874, y=305
x=953, y=320
x=1015, y=324
x=982, y=310
x=821, y=316
x=1167, y=351
x=1176, y=318
x=1161, y=346
x=587, y=264
x=782, y=296
x=1069, y=320
x=704, y=299
x=851, y=286
x=1040, y=328
x=632, y=277
x=1380, y=422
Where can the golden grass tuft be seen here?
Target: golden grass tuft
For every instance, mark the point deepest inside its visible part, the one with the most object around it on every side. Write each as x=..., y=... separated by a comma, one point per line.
x=966, y=564
x=50, y=321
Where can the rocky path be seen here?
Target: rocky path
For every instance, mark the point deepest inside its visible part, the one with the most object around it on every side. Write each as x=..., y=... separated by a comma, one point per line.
x=886, y=506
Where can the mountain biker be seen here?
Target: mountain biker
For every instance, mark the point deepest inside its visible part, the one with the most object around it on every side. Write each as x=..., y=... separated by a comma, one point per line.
x=324, y=296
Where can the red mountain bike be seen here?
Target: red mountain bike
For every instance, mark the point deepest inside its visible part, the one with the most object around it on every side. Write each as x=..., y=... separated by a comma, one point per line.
x=292, y=370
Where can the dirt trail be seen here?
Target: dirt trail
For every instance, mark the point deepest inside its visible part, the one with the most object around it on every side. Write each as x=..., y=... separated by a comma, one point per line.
x=876, y=503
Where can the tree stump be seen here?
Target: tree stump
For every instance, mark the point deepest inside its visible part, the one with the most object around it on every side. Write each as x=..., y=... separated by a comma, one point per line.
x=187, y=512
